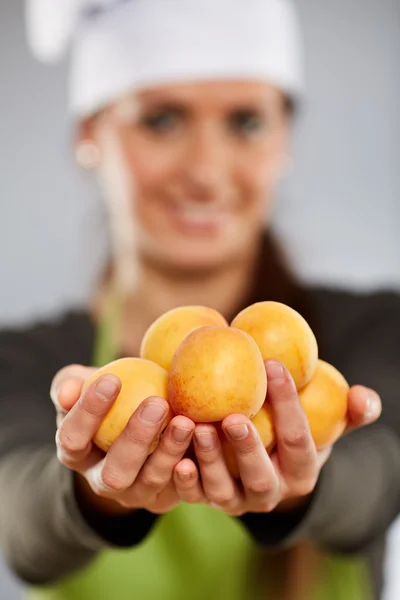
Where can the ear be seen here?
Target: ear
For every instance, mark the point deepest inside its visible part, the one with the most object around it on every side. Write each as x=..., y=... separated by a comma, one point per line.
x=87, y=152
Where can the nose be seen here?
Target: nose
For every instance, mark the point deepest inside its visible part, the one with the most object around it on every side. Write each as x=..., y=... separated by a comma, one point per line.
x=206, y=162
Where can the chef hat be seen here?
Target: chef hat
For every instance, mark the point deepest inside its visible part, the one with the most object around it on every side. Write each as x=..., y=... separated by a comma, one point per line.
x=119, y=45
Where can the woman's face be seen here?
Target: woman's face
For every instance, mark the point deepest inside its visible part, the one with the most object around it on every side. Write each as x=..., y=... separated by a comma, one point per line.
x=197, y=166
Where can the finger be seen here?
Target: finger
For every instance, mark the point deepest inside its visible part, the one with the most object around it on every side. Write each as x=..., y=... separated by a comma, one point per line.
x=166, y=500
x=298, y=462
x=364, y=407
x=68, y=394
x=218, y=485
x=158, y=470
x=74, y=438
x=75, y=372
x=187, y=482
x=259, y=478
x=89, y=461
x=128, y=453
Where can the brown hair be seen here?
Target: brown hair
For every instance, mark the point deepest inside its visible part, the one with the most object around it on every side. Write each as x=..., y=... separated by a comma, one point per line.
x=275, y=280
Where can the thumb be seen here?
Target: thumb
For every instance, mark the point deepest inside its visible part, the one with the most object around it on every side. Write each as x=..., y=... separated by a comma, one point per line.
x=67, y=385
x=364, y=407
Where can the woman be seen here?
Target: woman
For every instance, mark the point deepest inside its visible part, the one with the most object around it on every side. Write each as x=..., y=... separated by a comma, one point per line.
x=189, y=147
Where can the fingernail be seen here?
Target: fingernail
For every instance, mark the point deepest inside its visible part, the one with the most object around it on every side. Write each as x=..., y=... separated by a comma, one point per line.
x=205, y=440
x=153, y=413
x=372, y=406
x=275, y=371
x=184, y=476
x=238, y=432
x=107, y=387
x=180, y=435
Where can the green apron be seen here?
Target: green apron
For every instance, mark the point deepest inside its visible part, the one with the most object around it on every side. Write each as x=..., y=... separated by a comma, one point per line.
x=193, y=553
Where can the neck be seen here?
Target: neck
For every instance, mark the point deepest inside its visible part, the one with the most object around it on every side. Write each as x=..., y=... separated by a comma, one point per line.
x=157, y=291
x=221, y=289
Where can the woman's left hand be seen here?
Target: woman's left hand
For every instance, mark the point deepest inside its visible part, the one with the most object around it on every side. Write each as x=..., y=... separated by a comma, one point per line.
x=282, y=481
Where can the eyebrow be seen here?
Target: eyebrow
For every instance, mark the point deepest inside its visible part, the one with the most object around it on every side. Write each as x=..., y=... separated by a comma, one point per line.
x=161, y=104
x=177, y=105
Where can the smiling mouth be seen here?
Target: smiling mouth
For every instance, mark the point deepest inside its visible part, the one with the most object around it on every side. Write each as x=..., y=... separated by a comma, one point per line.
x=201, y=217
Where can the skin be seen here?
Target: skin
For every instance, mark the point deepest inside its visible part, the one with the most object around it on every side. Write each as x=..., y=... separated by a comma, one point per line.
x=208, y=146
x=124, y=480
x=191, y=192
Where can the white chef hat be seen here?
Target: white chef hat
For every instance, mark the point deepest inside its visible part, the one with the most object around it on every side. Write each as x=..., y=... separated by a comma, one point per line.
x=119, y=45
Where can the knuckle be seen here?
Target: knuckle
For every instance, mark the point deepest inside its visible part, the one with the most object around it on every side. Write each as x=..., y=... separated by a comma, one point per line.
x=136, y=435
x=134, y=438
x=98, y=486
x=92, y=406
x=296, y=438
x=70, y=444
x=154, y=481
x=261, y=487
x=208, y=456
x=113, y=481
x=249, y=449
x=171, y=448
x=222, y=499
x=305, y=486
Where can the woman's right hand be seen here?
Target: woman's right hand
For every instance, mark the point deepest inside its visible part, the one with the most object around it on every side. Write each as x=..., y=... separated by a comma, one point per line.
x=125, y=478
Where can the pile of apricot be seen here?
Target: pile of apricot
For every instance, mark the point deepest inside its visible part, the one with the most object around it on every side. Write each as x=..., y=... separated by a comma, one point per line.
x=207, y=369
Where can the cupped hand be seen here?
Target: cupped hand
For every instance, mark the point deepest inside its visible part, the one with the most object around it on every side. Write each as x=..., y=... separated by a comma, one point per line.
x=282, y=481
x=125, y=478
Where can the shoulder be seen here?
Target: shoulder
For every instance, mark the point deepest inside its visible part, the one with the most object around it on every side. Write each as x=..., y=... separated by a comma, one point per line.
x=344, y=316
x=361, y=337
x=357, y=303
x=61, y=339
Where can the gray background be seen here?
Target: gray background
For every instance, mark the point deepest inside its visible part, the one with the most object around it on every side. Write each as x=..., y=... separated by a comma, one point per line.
x=339, y=207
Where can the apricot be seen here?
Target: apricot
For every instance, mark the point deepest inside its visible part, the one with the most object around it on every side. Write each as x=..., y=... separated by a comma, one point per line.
x=263, y=422
x=166, y=333
x=282, y=333
x=140, y=379
x=324, y=401
x=216, y=371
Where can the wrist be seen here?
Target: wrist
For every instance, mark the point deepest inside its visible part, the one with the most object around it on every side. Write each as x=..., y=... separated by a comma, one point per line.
x=87, y=498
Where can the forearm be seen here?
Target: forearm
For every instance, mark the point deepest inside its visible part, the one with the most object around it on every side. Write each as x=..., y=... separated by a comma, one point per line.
x=45, y=534
x=359, y=495
x=356, y=499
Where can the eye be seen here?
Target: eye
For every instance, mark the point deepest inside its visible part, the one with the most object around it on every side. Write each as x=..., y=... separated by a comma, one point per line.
x=162, y=121
x=247, y=123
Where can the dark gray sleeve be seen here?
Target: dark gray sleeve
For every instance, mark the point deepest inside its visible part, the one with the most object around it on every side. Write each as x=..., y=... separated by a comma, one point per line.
x=358, y=493
x=45, y=533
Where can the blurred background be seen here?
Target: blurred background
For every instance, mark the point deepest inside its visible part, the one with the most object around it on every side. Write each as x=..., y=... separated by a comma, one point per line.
x=339, y=210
